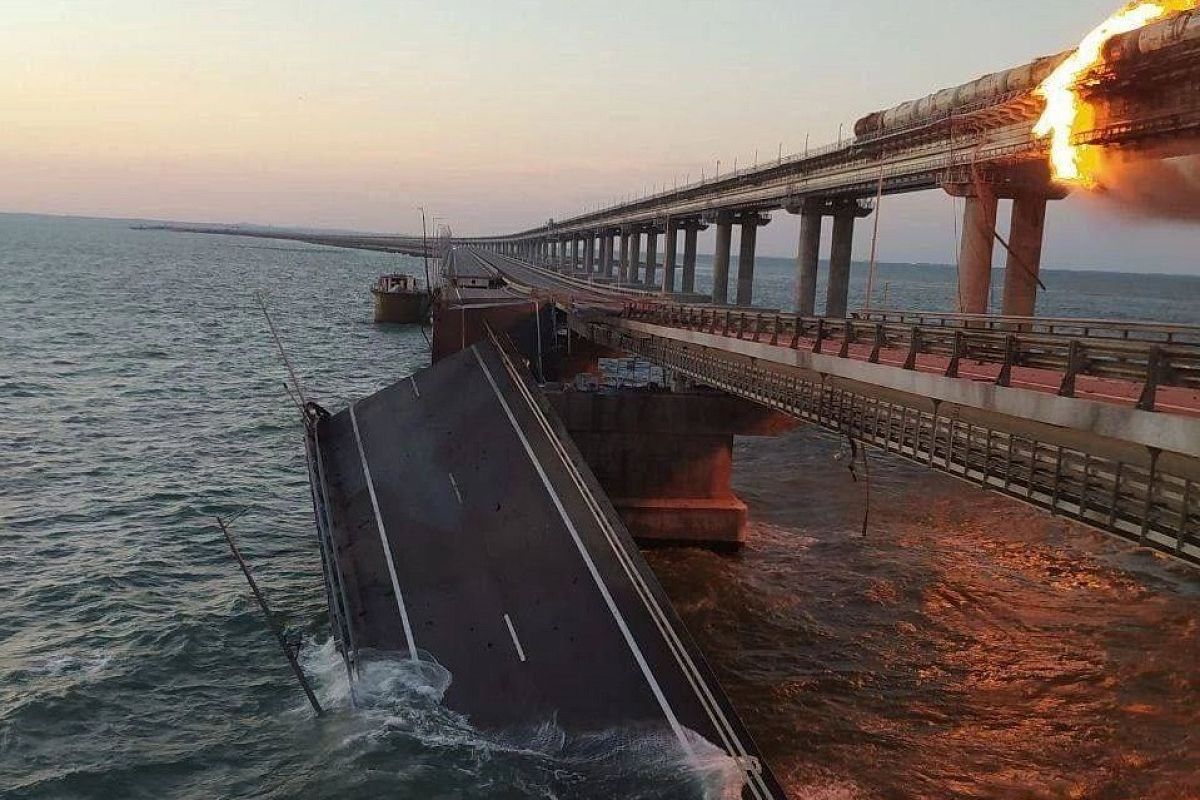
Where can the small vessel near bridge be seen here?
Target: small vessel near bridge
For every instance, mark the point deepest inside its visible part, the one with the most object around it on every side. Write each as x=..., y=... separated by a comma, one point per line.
x=399, y=298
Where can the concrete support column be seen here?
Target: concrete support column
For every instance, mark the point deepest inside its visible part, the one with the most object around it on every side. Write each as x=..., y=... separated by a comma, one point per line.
x=1024, y=261
x=589, y=253
x=623, y=265
x=808, y=255
x=745, y=275
x=839, y=264
x=669, y=244
x=975, y=253
x=651, y=256
x=574, y=253
x=635, y=255
x=690, y=230
x=720, y=290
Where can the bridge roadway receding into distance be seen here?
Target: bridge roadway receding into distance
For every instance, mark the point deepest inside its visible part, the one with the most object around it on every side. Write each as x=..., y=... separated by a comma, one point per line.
x=1097, y=421
x=457, y=525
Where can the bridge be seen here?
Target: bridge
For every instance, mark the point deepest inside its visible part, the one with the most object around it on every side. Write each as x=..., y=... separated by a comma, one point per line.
x=974, y=141
x=481, y=517
x=1094, y=420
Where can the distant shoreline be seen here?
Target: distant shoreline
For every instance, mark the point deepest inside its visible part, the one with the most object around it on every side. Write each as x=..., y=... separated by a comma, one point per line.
x=368, y=240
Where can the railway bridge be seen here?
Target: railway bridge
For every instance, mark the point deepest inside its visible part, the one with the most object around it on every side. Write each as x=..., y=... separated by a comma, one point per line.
x=973, y=141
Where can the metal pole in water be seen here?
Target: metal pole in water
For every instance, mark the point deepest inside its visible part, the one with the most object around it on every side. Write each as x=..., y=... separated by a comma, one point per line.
x=262, y=602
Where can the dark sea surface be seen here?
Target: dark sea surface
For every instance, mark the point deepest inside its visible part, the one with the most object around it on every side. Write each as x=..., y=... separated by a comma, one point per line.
x=968, y=647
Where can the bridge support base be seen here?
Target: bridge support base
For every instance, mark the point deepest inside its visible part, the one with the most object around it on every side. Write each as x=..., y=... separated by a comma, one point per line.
x=690, y=231
x=670, y=243
x=838, y=292
x=651, y=257
x=807, y=258
x=666, y=458
x=1024, y=256
x=635, y=255
x=720, y=290
x=975, y=253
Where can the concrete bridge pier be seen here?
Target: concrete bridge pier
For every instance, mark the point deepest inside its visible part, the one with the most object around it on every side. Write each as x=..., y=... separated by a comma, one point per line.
x=690, y=230
x=635, y=254
x=651, y=256
x=838, y=292
x=666, y=458
x=623, y=265
x=750, y=223
x=575, y=241
x=670, y=242
x=975, y=251
x=606, y=254
x=589, y=253
x=720, y=290
x=808, y=253
x=807, y=257
x=1021, y=268
x=1029, y=187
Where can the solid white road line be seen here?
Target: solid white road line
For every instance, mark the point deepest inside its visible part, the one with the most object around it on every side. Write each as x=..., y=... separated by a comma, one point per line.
x=703, y=691
x=454, y=486
x=638, y=656
x=513, y=633
x=383, y=540
x=413, y=379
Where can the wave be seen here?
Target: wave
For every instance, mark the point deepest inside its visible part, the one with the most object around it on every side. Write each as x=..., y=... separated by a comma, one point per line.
x=393, y=718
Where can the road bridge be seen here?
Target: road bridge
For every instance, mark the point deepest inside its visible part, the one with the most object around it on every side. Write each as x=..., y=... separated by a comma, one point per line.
x=1098, y=421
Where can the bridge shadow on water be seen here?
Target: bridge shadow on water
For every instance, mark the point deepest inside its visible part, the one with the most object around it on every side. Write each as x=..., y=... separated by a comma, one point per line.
x=968, y=647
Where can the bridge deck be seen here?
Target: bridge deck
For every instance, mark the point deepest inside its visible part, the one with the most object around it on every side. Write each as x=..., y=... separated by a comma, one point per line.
x=746, y=326
x=464, y=525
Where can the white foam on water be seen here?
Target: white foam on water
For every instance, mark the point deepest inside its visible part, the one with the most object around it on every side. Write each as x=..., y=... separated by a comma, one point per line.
x=398, y=706
x=88, y=665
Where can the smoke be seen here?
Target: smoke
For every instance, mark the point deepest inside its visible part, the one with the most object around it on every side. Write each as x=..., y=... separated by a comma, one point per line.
x=1149, y=185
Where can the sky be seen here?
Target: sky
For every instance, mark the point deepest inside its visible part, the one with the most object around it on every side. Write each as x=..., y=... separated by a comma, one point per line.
x=497, y=115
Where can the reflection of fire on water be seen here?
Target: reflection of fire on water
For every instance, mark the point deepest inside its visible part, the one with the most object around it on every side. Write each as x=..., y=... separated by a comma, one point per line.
x=1065, y=111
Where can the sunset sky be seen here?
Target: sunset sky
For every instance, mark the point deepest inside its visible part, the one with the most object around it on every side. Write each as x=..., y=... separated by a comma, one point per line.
x=495, y=115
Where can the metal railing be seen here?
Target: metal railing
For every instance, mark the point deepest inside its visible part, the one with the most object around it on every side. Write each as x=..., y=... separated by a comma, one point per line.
x=1131, y=330
x=1151, y=364
x=1142, y=502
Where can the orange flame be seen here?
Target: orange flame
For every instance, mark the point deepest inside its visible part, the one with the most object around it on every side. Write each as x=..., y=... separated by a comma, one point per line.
x=1063, y=109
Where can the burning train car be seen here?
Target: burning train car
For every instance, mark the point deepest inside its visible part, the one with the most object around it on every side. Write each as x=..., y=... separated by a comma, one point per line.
x=1000, y=88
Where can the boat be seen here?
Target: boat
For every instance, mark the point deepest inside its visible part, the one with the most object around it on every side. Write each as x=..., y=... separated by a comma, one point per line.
x=400, y=298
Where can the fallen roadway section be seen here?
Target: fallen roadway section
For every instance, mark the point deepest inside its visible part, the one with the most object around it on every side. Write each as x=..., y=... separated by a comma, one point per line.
x=458, y=523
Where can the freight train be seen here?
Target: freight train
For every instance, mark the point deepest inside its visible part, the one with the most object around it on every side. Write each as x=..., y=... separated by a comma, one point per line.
x=998, y=88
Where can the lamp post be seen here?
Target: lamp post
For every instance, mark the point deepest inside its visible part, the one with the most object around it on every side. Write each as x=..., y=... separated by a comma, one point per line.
x=424, y=247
